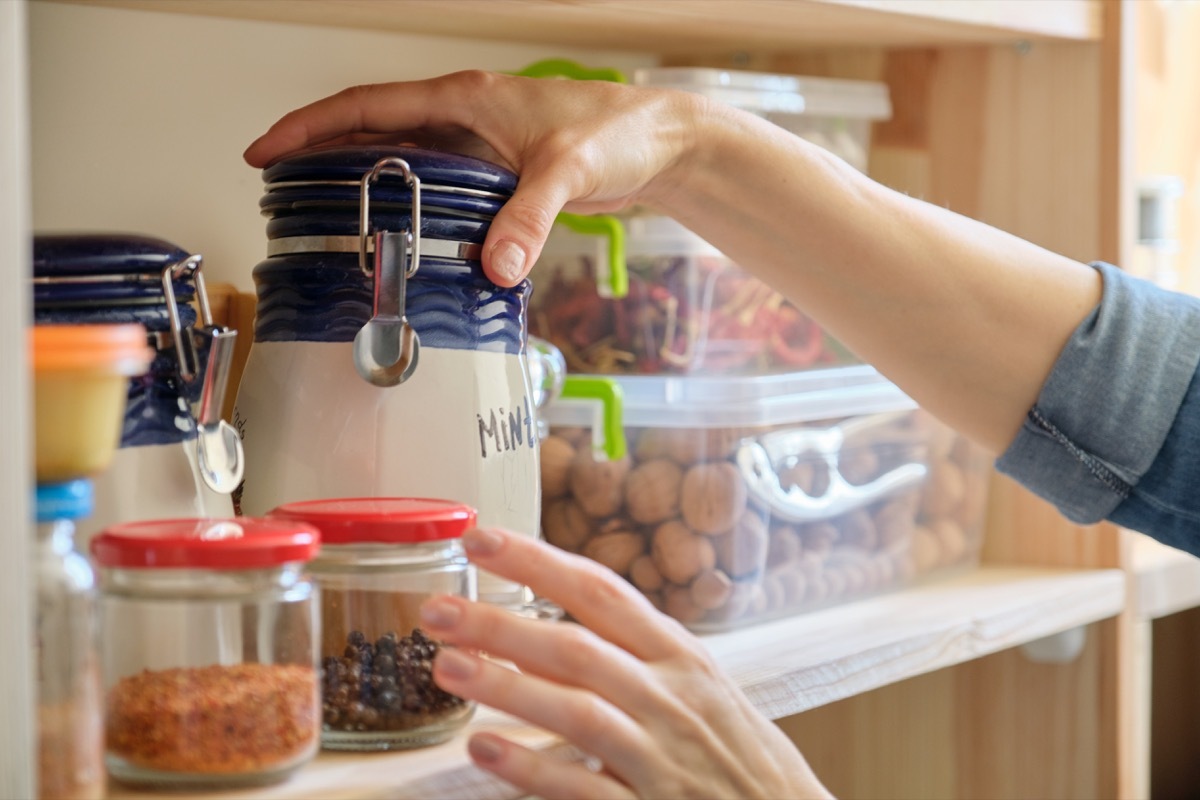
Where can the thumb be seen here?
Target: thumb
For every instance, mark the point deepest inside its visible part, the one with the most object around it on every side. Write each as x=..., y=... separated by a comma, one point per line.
x=519, y=231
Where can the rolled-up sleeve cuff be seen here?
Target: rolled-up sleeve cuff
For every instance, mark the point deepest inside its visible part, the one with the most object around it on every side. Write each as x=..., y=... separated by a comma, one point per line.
x=1112, y=396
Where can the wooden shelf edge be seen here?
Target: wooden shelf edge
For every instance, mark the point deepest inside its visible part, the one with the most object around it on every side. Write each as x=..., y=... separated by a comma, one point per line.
x=690, y=27
x=786, y=667
x=793, y=665
x=1165, y=580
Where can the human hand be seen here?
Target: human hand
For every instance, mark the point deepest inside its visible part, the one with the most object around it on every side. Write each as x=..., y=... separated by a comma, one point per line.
x=629, y=686
x=583, y=146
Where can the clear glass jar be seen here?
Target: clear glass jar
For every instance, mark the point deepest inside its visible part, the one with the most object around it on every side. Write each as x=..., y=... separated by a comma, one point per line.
x=380, y=559
x=209, y=649
x=70, y=732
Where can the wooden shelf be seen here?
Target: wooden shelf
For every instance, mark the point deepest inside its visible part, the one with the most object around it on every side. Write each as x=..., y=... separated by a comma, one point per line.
x=785, y=667
x=678, y=27
x=1165, y=580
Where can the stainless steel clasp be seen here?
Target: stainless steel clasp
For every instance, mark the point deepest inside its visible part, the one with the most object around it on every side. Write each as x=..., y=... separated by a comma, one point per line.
x=387, y=347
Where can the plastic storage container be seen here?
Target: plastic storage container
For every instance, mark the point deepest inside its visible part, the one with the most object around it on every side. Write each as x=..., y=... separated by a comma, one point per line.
x=742, y=500
x=209, y=646
x=81, y=377
x=373, y=257
x=69, y=711
x=834, y=113
x=176, y=458
x=380, y=559
x=689, y=309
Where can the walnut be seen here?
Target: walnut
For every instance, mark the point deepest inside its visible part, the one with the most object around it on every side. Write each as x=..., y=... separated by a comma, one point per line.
x=616, y=550
x=713, y=497
x=744, y=551
x=597, y=485
x=576, y=437
x=859, y=465
x=894, y=520
x=652, y=443
x=810, y=477
x=819, y=536
x=688, y=446
x=565, y=525
x=858, y=530
x=677, y=601
x=652, y=491
x=784, y=546
x=679, y=553
x=556, y=455
x=711, y=589
x=644, y=575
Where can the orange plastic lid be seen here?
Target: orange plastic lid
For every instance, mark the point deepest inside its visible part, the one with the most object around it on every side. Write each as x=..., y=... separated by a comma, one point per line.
x=113, y=349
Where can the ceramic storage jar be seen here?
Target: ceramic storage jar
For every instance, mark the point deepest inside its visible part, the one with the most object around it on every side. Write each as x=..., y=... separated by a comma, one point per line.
x=176, y=457
x=385, y=363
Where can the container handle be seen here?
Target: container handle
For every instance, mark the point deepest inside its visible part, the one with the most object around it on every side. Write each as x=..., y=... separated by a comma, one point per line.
x=761, y=458
x=607, y=395
x=612, y=282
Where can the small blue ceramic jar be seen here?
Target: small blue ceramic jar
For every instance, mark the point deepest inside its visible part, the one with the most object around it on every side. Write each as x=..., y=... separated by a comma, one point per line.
x=166, y=466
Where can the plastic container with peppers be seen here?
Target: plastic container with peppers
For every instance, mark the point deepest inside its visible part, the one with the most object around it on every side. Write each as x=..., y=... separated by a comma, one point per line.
x=688, y=308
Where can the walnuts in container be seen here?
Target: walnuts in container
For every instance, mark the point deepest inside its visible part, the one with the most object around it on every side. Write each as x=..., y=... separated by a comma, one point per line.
x=678, y=520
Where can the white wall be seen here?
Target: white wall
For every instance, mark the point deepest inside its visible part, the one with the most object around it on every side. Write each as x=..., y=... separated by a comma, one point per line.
x=140, y=118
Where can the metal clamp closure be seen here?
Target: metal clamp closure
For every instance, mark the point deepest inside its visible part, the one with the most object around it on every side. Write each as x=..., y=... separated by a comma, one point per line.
x=386, y=347
x=185, y=349
x=389, y=166
x=218, y=446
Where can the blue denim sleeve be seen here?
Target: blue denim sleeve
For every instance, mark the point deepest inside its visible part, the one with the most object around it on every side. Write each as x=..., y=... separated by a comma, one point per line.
x=1115, y=432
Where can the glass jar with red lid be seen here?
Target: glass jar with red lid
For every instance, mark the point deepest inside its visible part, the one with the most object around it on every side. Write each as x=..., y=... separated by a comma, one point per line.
x=380, y=559
x=209, y=650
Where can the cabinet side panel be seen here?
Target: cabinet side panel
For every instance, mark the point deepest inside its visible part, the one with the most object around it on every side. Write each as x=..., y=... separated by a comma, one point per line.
x=16, y=673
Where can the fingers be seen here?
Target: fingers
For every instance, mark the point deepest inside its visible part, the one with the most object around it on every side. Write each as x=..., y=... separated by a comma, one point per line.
x=579, y=716
x=564, y=653
x=518, y=233
x=539, y=774
x=390, y=108
x=593, y=594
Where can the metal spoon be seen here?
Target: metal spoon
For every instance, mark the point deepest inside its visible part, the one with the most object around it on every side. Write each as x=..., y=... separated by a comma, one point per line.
x=386, y=348
x=218, y=446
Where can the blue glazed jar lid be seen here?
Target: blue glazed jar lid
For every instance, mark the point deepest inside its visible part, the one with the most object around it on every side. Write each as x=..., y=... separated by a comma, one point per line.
x=79, y=254
x=67, y=500
x=75, y=269
x=349, y=163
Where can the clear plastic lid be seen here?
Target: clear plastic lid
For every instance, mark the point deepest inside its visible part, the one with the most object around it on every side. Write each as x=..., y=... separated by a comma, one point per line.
x=765, y=93
x=655, y=401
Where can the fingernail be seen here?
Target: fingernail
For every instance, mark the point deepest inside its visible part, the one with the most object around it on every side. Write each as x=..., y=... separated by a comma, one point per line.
x=456, y=664
x=508, y=260
x=481, y=542
x=438, y=612
x=485, y=749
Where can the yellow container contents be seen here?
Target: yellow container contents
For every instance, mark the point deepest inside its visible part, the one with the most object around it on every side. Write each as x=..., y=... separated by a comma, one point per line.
x=81, y=381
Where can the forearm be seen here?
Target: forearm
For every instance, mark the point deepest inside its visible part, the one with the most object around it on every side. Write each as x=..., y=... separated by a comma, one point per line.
x=967, y=319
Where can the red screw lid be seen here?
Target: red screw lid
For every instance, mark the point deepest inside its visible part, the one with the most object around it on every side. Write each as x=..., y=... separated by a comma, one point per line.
x=241, y=543
x=393, y=520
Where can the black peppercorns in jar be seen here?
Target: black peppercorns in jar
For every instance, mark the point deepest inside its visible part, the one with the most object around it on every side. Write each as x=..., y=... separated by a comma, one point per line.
x=380, y=559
